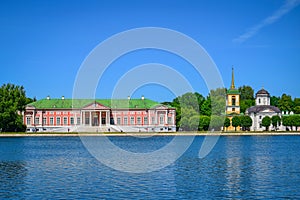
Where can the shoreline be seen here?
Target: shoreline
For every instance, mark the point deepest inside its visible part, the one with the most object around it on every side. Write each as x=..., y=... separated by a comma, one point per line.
x=149, y=134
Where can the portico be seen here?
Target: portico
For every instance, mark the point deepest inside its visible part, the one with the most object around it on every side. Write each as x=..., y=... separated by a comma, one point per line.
x=95, y=117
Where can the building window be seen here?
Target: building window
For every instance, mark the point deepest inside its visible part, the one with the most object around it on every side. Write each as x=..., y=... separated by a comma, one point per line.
x=37, y=120
x=153, y=120
x=131, y=120
x=57, y=120
x=139, y=120
x=161, y=119
x=145, y=120
x=260, y=126
x=118, y=120
x=65, y=120
x=233, y=109
x=170, y=120
x=78, y=120
x=259, y=100
x=72, y=120
x=51, y=120
x=44, y=120
x=259, y=117
x=125, y=120
x=28, y=119
x=233, y=100
x=87, y=120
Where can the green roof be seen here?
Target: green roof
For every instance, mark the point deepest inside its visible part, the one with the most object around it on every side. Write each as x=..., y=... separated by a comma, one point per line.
x=233, y=91
x=80, y=103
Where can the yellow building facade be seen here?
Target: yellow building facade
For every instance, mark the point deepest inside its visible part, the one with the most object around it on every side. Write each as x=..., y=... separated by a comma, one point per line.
x=232, y=103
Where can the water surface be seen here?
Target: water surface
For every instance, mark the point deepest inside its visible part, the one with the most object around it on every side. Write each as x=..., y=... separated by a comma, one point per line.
x=260, y=167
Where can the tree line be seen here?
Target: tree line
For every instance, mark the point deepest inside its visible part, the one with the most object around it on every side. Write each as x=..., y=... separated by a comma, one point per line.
x=195, y=112
x=12, y=102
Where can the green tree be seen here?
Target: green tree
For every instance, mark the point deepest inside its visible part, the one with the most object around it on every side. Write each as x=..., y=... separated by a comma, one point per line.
x=235, y=121
x=295, y=121
x=184, y=123
x=297, y=109
x=190, y=101
x=185, y=119
x=266, y=122
x=206, y=107
x=285, y=103
x=204, y=123
x=247, y=93
x=216, y=122
x=226, y=123
x=274, y=101
x=247, y=98
x=12, y=103
x=276, y=121
x=297, y=105
x=287, y=121
x=246, y=122
x=218, y=101
x=194, y=123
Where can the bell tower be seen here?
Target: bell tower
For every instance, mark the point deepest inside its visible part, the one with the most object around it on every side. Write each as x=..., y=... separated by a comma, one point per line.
x=232, y=101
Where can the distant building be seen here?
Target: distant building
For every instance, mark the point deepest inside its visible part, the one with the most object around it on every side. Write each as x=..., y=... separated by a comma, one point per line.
x=261, y=109
x=232, y=102
x=134, y=115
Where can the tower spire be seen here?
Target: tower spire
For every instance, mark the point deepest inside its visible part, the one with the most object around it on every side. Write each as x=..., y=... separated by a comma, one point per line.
x=232, y=79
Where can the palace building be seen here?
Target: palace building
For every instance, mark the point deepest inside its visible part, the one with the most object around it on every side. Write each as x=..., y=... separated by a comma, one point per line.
x=232, y=102
x=99, y=115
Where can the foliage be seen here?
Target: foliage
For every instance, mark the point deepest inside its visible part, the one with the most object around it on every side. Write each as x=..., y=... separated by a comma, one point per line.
x=247, y=98
x=194, y=123
x=186, y=115
x=297, y=109
x=12, y=103
x=204, y=123
x=276, y=121
x=287, y=121
x=218, y=101
x=235, y=121
x=274, y=101
x=226, y=122
x=245, y=122
x=206, y=107
x=216, y=122
x=247, y=93
x=266, y=122
x=245, y=104
x=295, y=121
x=285, y=103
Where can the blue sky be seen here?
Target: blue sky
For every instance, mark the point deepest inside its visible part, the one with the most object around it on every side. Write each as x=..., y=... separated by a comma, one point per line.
x=43, y=43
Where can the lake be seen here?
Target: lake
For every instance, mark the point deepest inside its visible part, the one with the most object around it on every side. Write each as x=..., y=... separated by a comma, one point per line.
x=260, y=167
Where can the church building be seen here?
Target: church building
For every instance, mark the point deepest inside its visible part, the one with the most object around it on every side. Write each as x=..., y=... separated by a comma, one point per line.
x=232, y=103
x=261, y=109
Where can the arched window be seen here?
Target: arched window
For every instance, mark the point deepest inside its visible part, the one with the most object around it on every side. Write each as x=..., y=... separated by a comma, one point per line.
x=233, y=100
x=259, y=100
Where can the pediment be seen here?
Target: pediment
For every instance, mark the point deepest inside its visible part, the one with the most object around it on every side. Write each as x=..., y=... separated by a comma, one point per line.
x=160, y=107
x=30, y=107
x=95, y=106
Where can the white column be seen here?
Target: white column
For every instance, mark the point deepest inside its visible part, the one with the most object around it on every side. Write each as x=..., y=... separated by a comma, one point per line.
x=100, y=118
x=107, y=118
x=90, y=118
x=149, y=118
x=166, y=118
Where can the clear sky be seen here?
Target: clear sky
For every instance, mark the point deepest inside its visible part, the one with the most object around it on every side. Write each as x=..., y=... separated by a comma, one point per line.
x=43, y=43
